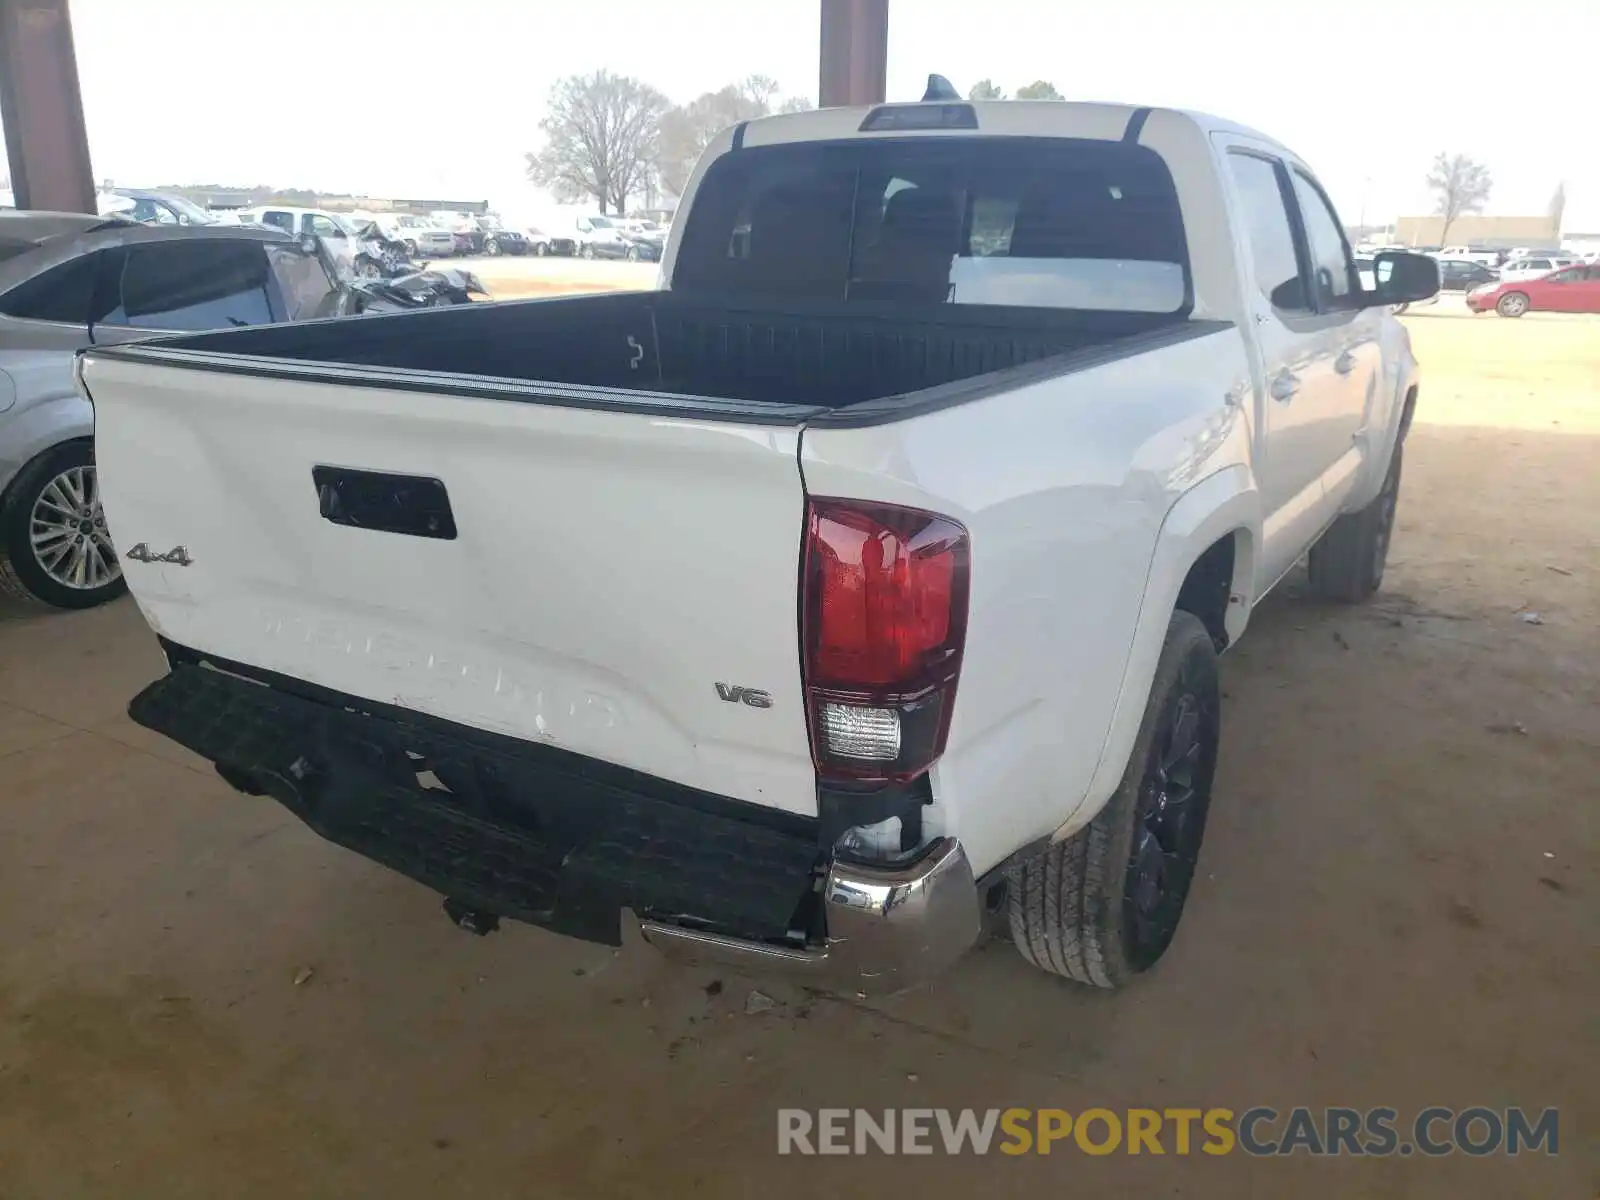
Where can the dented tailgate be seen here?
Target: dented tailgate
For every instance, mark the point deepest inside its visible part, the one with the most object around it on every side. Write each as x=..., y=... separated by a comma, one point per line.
x=617, y=584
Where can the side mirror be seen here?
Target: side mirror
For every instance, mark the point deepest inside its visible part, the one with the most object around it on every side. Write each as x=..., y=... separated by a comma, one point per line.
x=1400, y=277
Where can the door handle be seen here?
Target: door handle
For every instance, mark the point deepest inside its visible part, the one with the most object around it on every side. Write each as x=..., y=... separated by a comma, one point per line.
x=1345, y=363
x=1284, y=385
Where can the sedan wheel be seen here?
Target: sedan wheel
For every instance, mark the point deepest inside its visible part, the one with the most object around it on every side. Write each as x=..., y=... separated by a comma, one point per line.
x=53, y=533
x=1512, y=304
x=540, y=249
x=491, y=247
x=633, y=254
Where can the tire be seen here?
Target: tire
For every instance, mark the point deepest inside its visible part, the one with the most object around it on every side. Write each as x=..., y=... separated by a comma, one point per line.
x=586, y=251
x=491, y=247
x=49, y=488
x=1348, y=560
x=368, y=268
x=411, y=248
x=540, y=249
x=632, y=254
x=1512, y=304
x=1103, y=905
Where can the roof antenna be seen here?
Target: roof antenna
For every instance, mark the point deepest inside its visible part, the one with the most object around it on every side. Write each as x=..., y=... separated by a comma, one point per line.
x=940, y=88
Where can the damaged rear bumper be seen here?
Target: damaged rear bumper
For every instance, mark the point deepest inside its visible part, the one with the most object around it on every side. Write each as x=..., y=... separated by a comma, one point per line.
x=541, y=835
x=888, y=928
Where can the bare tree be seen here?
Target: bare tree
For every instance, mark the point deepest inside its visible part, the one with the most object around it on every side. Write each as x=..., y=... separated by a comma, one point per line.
x=601, y=135
x=1039, y=89
x=1460, y=185
x=687, y=129
x=1558, y=206
x=986, y=89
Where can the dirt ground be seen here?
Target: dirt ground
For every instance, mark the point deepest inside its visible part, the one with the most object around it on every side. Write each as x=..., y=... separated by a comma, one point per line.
x=1397, y=906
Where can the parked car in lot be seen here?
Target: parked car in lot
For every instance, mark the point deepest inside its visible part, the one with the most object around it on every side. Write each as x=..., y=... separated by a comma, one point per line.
x=340, y=236
x=541, y=242
x=1574, y=289
x=645, y=240
x=984, y=522
x=69, y=281
x=1532, y=266
x=500, y=240
x=1482, y=255
x=599, y=237
x=421, y=238
x=1463, y=274
x=159, y=208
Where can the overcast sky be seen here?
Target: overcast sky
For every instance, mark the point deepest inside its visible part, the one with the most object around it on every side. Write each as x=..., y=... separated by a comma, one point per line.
x=442, y=97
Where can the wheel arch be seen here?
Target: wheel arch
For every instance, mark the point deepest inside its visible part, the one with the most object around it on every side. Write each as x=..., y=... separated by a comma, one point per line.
x=40, y=428
x=1211, y=535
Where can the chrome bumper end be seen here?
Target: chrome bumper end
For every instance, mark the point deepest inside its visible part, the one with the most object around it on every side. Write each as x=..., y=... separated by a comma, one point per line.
x=889, y=929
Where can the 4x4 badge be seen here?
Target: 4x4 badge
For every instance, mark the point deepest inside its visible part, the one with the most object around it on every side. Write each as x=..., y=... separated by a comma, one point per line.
x=178, y=556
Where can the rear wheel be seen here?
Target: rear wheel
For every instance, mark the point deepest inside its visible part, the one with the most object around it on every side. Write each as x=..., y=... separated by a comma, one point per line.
x=540, y=249
x=1104, y=904
x=491, y=246
x=1512, y=304
x=1348, y=560
x=54, y=547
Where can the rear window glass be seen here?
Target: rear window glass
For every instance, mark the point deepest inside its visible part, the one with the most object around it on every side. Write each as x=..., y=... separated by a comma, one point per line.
x=208, y=283
x=1035, y=222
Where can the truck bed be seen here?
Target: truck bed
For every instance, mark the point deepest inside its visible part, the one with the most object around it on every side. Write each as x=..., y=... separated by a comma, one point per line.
x=775, y=364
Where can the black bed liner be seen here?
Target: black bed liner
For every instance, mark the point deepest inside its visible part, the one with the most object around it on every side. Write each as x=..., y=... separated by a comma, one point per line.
x=689, y=356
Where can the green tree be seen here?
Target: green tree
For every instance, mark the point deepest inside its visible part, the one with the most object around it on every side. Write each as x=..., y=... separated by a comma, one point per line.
x=601, y=137
x=986, y=89
x=1039, y=89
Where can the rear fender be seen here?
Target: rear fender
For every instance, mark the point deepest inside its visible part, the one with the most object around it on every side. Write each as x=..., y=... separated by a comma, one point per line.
x=1221, y=504
x=28, y=431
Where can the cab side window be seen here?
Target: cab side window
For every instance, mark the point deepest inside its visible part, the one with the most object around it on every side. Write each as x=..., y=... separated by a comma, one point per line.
x=1266, y=216
x=1333, y=276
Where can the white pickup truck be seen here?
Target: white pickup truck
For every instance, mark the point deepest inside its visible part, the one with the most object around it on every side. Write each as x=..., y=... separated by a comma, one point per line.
x=863, y=582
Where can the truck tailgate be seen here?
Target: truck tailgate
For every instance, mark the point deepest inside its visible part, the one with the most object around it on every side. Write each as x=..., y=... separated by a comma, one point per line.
x=619, y=585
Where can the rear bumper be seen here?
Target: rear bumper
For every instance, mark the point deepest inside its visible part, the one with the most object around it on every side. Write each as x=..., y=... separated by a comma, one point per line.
x=567, y=843
x=888, y=928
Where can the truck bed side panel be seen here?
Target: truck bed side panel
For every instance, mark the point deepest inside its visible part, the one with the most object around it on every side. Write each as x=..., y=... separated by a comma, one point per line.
x=1063, y=485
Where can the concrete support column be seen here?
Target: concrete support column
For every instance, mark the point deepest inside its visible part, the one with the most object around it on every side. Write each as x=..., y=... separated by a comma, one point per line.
x=855, y=52
x=46, y=146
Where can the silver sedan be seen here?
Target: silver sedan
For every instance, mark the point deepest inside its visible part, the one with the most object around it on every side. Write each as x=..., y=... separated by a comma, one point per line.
x=68, y=281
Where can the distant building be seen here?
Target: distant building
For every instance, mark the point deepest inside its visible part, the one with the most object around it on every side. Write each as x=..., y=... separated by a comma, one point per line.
x=1495, y=233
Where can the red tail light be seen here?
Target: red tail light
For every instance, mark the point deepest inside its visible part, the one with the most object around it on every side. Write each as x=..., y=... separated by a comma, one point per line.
x=885, y=618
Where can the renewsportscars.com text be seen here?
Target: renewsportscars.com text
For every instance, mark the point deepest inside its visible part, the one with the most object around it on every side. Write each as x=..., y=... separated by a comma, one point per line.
x=1318, y=1132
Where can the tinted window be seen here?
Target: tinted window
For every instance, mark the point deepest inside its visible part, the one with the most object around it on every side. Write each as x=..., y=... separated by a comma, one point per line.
x=279, y=220
x=62, y=293
x=303, y=282
x=1332, y=277
x=207, y=283
x=1277, y=269
x=1050, y=223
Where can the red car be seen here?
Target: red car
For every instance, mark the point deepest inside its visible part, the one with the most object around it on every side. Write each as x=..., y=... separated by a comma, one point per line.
x=1570, y=289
